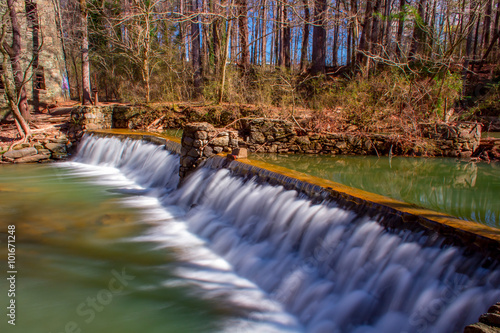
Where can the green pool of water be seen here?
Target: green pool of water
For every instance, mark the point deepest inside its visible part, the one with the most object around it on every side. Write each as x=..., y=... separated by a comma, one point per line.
x=76, y=269
x=177, y=133
x=470, y=191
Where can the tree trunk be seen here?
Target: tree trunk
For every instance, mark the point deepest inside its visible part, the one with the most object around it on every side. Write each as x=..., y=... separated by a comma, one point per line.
x=32, y=14
x=224, y=61
x=375, y=35
x=319, y=37
x=496, y=26
x=476, y=37
x=305, y=37
x=418, y=32
x=263, y=46
x=335, y=47
x=243, y=30
x=487, y=24
x=286, y=38
x=86, y=96
x=468, y=46
x=195, y=49
x=401, y=25
x=15, y=51
x=364, y=42
x=11, y=92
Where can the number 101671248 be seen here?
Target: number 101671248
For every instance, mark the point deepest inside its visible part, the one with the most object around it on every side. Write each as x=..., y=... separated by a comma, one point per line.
x=11, y=247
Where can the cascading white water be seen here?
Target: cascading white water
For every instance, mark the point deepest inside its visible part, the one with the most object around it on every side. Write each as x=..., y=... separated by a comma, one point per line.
x=334, y=270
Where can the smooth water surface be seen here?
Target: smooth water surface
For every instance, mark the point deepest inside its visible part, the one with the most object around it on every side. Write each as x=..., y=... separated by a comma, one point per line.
x=467, y=190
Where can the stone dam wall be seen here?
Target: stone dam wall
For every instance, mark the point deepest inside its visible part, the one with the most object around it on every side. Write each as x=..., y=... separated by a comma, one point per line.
x=265, y=135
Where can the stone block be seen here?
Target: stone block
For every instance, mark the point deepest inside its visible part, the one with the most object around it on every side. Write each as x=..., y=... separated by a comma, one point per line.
x=20, y=153
x=257, y=137
x=240, y=152
x=198, y=143
x=222, y=141
x=208, y=151
x=341, y=145
x=32, y=158
x=187, y=141
x=492, y=319
x=202, y=135
x=194, y=152
x=303, y=140
x=56, y=147
x=494, y=308
x=480, y=328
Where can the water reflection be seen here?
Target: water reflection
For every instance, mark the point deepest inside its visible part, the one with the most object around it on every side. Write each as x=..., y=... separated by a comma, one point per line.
x=469, y=191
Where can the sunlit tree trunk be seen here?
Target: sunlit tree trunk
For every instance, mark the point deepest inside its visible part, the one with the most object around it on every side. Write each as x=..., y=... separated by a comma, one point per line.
x=319, y=38
x=305, y=37
x=86, y=97
x=195, y=48
x=243, y=32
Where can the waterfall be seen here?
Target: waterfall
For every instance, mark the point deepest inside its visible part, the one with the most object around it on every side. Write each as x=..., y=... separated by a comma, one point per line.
x=332, y=269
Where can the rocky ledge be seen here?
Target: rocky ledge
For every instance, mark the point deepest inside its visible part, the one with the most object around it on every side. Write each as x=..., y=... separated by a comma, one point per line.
x=41, y=148
x=488, y=322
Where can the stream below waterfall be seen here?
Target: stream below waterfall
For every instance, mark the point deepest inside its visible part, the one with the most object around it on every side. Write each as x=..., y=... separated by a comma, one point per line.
x=107, y=243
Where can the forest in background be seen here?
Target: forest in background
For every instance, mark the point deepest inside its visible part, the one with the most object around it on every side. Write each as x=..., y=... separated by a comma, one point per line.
x=359, y=62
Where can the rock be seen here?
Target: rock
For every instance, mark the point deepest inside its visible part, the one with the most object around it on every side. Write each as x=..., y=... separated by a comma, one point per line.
x=218, y=150
x=32, y=158
x=257, y=137
x=20, y=153
x=59, y=156
x=465, y=154
x=222, y=141
x=56, y=147
x=494, y=308
x=481, y=328
x=198, y=143
x=341, y=145
x=43, y=151
x=303, y=140
x=202, y=135
x=240, y=152
x=208, y=151
x=59, y=140
x=187, y=141
x=194, y=153
x=492, y=319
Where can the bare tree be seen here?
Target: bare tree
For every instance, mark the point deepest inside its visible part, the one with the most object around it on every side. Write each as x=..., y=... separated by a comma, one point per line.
x=86, y=97
x=14, y=80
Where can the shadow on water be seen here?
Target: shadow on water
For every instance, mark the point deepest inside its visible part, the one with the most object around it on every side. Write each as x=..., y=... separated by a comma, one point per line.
x=466, y=190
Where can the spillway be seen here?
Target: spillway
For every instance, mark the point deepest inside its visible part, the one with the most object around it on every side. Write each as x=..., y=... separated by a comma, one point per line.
x=301, y=265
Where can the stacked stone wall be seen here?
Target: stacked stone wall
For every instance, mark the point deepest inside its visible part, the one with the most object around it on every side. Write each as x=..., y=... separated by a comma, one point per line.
x=88, y=118
x=279, y=136
x=201, y=141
